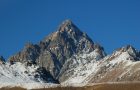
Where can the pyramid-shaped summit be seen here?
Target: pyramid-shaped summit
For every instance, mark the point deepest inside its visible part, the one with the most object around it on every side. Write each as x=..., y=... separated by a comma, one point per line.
x=54, y=51
x=130, y=53
x=68, y=34
x=68, y=26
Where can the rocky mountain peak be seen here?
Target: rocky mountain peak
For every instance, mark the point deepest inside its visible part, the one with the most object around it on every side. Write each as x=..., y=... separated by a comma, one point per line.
x=127, y=48
x=66, y=25
x=71, y=30
x=127, y=52
x=54, y=51
x=69, y=35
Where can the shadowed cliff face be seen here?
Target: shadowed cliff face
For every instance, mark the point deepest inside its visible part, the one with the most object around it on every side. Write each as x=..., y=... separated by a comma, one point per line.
x=2, y=60
x=54, y=50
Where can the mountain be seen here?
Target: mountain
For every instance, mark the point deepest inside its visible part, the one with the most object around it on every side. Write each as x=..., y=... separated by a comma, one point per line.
x=54, y=52
x=69, y=56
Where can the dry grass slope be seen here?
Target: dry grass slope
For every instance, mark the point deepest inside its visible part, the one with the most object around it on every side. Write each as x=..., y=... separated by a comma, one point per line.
x=127, y=86
x=120, y=86
x=68, y=88
x=13, y=88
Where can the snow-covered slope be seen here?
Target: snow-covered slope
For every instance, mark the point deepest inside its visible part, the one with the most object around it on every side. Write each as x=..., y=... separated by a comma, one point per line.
x=122, y=65
x=77, y=68
x=23, y=73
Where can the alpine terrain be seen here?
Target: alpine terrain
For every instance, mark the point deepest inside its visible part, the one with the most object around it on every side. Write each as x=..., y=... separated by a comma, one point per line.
x=68, y=56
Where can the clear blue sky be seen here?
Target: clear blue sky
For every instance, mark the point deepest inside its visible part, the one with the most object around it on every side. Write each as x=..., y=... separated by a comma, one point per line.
x=112, y=23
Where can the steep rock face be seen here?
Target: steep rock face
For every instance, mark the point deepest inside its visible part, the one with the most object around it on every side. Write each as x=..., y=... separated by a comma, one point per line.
x=56, y=49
